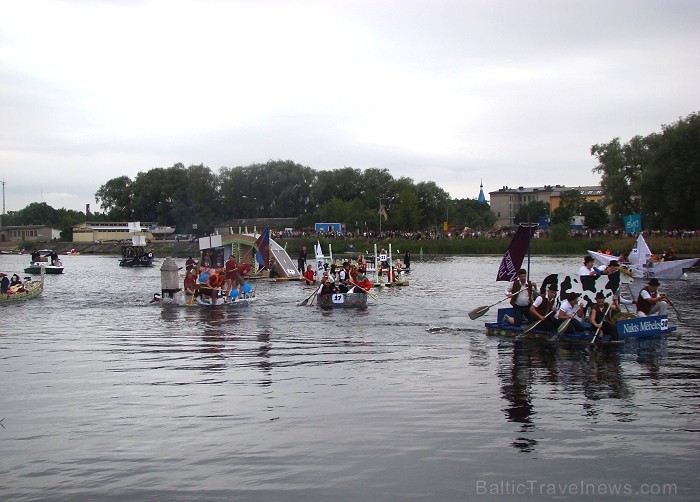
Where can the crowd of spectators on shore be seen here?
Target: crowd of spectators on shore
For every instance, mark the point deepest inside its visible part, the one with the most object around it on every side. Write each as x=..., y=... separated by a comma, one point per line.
x=469, y=233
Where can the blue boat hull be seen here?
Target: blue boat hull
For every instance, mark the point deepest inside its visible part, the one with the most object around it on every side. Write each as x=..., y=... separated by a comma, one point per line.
x=624, y=329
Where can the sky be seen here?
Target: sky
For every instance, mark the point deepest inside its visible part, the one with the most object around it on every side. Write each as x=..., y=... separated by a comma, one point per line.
x=511, y=92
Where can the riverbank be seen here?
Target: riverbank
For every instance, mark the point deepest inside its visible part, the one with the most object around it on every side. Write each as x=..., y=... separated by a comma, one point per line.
x=481, y=246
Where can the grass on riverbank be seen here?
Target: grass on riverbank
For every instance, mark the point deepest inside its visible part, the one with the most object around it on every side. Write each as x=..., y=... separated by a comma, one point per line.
x=481, y=246
x=574, y=246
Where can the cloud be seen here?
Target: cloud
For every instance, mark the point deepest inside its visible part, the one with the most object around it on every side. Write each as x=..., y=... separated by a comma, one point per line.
x=514, y=93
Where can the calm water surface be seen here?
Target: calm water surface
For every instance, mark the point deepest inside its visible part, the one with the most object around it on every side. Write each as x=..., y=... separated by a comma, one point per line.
x=106, y=397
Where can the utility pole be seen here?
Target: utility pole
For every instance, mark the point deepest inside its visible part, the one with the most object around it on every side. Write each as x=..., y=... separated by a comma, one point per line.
x=3, y=201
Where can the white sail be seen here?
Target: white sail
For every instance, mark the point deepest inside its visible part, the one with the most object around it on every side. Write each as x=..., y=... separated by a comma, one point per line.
x=641, y=254
x=642, y=267
x=319, y=257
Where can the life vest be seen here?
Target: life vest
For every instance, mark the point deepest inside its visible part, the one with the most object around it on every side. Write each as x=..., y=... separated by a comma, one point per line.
x=644, y=305
x=545, y=306
x=516, y=289
x=600, y=313
x=216, y=280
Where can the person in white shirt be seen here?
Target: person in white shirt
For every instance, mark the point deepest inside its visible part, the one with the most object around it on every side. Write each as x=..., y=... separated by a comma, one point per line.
x=545, y=308
x=570, y=309
x=520, y=293
x=650, y=301
x=587, y=267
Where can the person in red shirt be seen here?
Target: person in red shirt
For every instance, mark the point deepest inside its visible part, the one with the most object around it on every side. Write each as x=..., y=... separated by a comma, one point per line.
x=232, y=275
x=309, y=275
x=190, y=285
x=363, y=284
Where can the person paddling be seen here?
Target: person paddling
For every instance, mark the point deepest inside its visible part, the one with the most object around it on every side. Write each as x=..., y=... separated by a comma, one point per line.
x=650, y=301
x=544, y=308
x=602, y=313
x=570, y=311
x=520, y=294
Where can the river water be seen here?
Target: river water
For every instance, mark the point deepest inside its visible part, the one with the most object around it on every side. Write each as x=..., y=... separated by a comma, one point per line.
x=107, y=397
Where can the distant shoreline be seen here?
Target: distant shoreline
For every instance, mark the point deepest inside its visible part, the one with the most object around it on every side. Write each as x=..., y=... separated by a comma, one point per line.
x=688, y=247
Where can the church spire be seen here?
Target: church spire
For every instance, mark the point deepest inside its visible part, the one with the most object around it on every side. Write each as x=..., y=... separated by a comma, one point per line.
x=481, y=192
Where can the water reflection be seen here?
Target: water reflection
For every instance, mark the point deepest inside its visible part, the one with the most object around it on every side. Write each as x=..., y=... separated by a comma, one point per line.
x=513, y=371
x=263, y=353
x=527, y=368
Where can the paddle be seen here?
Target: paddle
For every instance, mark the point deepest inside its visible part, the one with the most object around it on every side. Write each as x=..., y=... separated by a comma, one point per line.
x=314, y=296
x=479, y=311
x=365, y=290
x=306, y=301
x=562, y=327
x=532, y=325
x=678, y=314
x=601, y=322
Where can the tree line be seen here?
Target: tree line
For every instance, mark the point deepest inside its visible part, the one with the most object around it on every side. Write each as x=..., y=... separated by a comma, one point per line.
x=655, y=175
x=195, y=197
x=182, y=196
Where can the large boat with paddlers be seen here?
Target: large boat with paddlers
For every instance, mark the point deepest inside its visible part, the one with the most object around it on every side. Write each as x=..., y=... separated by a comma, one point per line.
x=582, y=292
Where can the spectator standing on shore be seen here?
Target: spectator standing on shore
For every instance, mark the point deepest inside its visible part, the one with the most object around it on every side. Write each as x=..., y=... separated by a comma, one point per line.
x=301, y=260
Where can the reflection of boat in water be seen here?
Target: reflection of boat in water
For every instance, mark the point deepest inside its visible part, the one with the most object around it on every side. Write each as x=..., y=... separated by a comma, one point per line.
x=46, y=259
x=644, y=265
x=342, y=300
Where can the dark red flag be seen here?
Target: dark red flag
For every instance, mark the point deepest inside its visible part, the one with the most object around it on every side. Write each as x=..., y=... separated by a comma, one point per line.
x=513, y=258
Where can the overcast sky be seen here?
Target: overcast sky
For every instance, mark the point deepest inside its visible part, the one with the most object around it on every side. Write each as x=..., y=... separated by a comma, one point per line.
x=512, y=92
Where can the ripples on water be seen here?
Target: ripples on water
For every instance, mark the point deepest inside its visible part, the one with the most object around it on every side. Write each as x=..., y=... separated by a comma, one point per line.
x=108, y=397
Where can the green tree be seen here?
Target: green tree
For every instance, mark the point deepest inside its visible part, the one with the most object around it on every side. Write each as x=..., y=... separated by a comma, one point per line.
x=616, y=179
x=655, y=175
x=595, y=215
x=471, y=213
x=562, y=216
x=531, y=212
x=572, y=200
x=115, y=197
x=408, y=214
x=670, y=183
x=434, y=204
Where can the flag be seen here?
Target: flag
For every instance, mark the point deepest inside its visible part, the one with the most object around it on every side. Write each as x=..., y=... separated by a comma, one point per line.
x=513, y=258
x=633, y=223
x=263, y=246
x=382, y=212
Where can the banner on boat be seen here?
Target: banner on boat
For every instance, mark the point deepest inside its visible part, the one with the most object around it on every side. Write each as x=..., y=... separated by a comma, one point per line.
x=513, y=258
